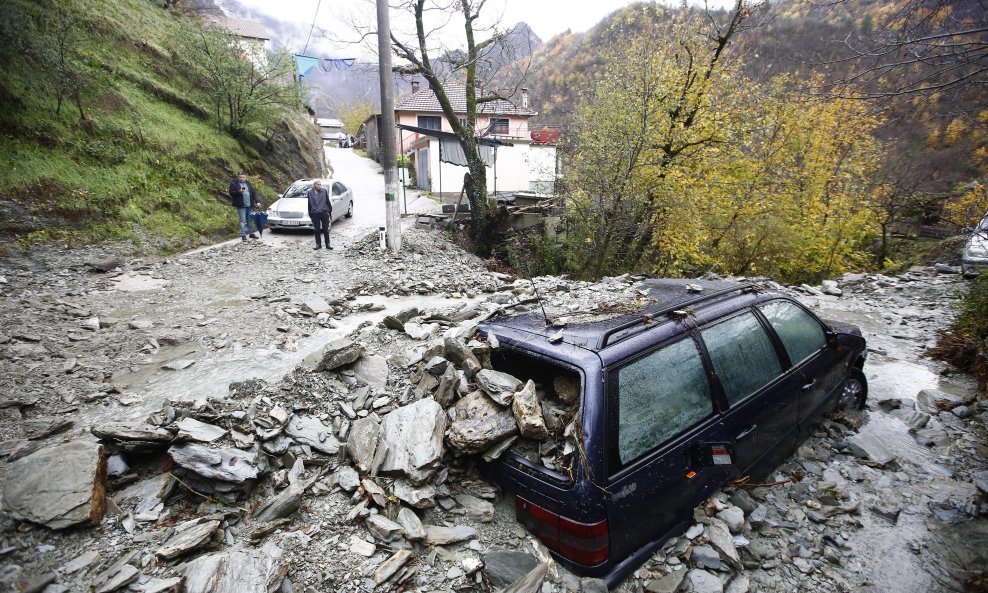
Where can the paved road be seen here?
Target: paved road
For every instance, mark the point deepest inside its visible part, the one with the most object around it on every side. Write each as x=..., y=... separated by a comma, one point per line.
x=366, y=180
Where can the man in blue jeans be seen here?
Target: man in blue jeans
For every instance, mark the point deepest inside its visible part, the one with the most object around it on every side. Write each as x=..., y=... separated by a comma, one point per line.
x=242, y=196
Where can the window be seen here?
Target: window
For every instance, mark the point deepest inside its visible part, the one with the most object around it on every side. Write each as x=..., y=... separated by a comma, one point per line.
x=338, y=188
x=800, y=333
x=431, y=122
x=742, y=355
x=499, y=125
x=659, y=397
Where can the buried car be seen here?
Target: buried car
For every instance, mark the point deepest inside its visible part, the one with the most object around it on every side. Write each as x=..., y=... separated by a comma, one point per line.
x=652, y=411
x=975, y=254
x=291, y=211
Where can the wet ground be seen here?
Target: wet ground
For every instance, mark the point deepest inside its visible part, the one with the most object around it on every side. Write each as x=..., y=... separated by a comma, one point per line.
x=91, y=346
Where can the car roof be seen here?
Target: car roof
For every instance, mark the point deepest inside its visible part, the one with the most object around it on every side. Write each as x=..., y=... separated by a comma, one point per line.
x=665, y=296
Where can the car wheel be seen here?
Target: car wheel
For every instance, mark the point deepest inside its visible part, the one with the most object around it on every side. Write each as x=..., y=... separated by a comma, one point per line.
x=854, y=392
x=349, y=212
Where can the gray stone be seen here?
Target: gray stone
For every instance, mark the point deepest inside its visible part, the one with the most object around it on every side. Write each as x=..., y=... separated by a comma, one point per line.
x=961, y=411
x=154, y=585
x=866, y=445
x=441, y=536
x=414, y=438
x=479, y=423
x=333, y=355
x=437, y=365
x=705, y=557
x=114, y=578
x=501, y=387
x=314, y=305
x=504, y=567
x=742, y=584
x=588, y=585
x=187, y=537
x=734, y=517
x=364, y=445
x=528, y=413
x=741, y=499
x=701, y=581
x=116, y=466
x=248, y=570
x=372, y=370
x=669, y=583
x=347, y=478
x=475, y=508
x=390, y=566
x=421, y=497
x=830, y=287
x=411, y=525
x=361, y=546
x=124, y=431
x=932, y=401
x=383, y=528
x=913, y=418
x=567, y=388
x=40, y=428
x=284, y=504
x=392, y=322
x=190, y=429
x=375, y=492
x=178, y=365
x=980, y=480
x=80, y=562
x=59, y=487
x=531, y=582
x=720, y=539
x=226, y=464
x=446, y=392
x=309, y=430
x=458, y=352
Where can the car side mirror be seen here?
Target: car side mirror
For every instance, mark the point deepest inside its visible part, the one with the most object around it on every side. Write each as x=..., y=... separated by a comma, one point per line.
x=280, y=196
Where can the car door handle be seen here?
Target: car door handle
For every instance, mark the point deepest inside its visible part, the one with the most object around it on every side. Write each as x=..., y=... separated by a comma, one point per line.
x=809, y=385
x=746, y=432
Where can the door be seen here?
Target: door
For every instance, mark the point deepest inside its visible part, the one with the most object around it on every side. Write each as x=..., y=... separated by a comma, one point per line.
x=660, y=407
x=817, y=365
x=422, y=169
x=762, y=402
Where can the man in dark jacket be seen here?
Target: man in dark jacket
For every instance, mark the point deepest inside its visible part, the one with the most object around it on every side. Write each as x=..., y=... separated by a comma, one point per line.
x=242, y=196
x=320, y=212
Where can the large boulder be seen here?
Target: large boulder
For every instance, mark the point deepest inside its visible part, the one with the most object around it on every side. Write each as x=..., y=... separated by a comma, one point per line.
x=500, y=386
x=414, y=438
x=59, y=487
x=333, y=355
x=243, y=571
x=528, y=413
x=372, y=370
x=364, y=445
x=309, y=430
x=479, y=423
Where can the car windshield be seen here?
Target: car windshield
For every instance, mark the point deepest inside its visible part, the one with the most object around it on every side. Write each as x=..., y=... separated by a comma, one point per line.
x=299, y=189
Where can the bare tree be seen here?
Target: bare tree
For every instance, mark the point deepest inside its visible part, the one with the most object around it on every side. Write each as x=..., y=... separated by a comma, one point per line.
x=918, y=49
x=475, y=68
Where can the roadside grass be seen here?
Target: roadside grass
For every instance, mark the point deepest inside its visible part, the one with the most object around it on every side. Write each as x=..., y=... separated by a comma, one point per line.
x=148, y=161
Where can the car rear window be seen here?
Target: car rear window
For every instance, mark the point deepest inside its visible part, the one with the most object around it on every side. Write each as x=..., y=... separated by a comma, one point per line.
x=742, y=354
x=659, y=397
x=800, y=333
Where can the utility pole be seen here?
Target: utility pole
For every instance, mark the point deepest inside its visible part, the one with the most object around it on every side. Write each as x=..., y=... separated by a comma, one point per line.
x=392, y=216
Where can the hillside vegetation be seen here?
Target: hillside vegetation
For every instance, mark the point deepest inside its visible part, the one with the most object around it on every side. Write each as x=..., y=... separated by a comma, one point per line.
x=109, y=134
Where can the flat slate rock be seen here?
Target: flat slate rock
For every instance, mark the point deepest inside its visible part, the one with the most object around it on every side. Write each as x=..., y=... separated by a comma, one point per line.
x=309, y=430
x=190, y=429
x=504, y=567
x=228, y=464
x=414, y=438
x=480, y=423
x=58, y=487
x=243, y=571
x=436, y=535
x=188, y=536
x=531, y=582
x=333, y=355
x=284, y=504
x=125, y=431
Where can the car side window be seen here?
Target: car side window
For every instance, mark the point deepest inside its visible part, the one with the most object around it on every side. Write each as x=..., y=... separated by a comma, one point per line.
x=659, y=397
x=742, y=354
x=800, y=333
x=338, y=189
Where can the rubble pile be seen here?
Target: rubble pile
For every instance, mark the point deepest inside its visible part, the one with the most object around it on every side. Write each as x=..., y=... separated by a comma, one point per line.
x=356, y=471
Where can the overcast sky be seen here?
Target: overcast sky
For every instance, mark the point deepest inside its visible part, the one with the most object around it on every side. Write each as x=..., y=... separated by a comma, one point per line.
x=545, y=17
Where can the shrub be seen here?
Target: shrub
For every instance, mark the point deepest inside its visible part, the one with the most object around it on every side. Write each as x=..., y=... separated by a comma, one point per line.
x=965, y=343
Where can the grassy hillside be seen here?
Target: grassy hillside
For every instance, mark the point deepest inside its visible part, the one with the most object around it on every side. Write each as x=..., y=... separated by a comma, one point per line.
x=132, y=152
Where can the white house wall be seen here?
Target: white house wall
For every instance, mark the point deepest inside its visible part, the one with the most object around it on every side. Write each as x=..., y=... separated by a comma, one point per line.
x=521, y=167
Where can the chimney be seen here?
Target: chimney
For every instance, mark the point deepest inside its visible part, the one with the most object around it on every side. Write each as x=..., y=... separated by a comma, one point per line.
x=524, y=97
x=415, y=86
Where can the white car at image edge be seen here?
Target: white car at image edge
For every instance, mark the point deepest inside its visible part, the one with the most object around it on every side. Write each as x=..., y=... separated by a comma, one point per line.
x=291, y=211
x=975, y=255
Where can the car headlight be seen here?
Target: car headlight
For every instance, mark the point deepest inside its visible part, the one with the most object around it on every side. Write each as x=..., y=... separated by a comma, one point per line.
x=271, y=212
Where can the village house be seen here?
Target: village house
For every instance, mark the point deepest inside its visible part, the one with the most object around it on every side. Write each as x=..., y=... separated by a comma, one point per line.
x=254, y=39
x=518, y=160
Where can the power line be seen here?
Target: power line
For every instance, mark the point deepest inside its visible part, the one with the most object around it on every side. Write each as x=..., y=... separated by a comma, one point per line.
x=313, y=26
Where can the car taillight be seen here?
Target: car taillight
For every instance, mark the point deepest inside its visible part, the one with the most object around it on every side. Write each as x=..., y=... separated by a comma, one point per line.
x=583, y=543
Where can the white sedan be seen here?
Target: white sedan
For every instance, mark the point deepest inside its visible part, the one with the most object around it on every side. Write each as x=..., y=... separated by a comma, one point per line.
x=291, y=211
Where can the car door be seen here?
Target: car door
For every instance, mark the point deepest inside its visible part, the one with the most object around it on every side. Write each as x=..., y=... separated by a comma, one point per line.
x=338, y=198
x=818, y=365
x=762, y=402
x=661, y=414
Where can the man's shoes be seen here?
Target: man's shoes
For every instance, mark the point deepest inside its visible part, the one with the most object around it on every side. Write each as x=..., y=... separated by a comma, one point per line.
x=243, y=238
x=329, y=247
x=253, y=236
x=319, y=247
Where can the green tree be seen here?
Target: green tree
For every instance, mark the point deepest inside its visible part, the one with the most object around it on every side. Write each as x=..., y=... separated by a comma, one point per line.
x=355, y=113
x=245, y=85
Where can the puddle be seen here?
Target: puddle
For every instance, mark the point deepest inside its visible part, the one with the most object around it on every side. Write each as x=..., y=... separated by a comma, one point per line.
x=138, y=283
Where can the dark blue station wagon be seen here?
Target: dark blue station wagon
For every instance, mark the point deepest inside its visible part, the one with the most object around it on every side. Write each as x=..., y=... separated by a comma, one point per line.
x=712, y=381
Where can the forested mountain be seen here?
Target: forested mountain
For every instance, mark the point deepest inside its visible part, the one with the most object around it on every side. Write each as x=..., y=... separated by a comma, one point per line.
x=940, y=137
